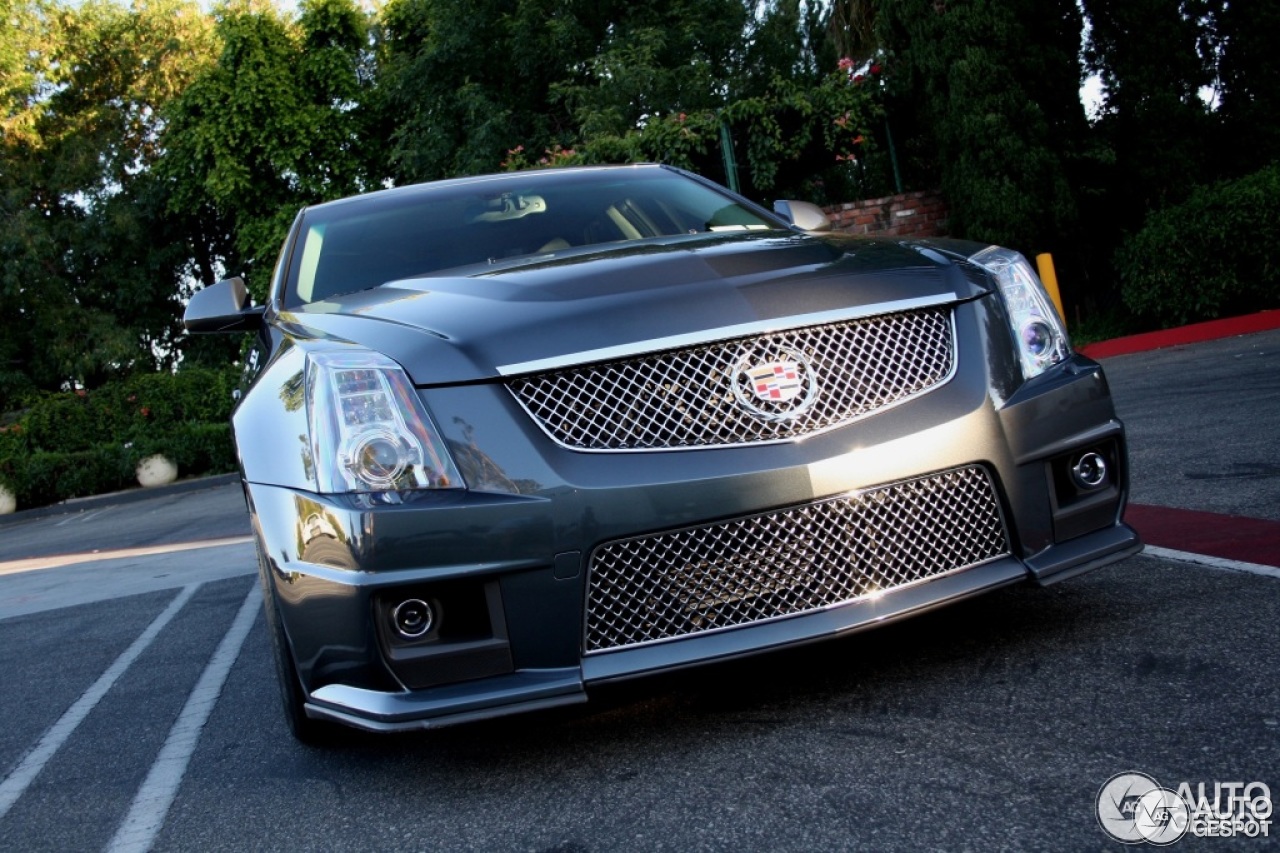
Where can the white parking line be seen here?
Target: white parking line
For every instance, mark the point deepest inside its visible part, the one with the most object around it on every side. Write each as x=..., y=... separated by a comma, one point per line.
x=22, y=776
x=83, y=516
x=1214, y=562
x=30, y=564
x=153, y=800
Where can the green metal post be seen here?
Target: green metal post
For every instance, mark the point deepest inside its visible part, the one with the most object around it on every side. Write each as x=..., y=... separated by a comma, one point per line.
x=893, y=157
x=730, y=162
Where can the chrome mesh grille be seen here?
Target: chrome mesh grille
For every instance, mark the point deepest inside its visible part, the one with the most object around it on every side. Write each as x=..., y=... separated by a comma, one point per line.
x=795, y=560
x=686, y=397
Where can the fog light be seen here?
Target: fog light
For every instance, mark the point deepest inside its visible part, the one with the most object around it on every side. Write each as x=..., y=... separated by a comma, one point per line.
x=1089, y=471
x=412, y=618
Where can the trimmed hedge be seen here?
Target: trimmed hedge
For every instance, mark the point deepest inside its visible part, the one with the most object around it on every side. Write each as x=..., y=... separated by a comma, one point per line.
x=79, y=443
x=1214, y=255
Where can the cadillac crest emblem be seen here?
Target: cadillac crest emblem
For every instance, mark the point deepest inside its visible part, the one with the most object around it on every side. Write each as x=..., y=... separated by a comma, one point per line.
x=779, y=389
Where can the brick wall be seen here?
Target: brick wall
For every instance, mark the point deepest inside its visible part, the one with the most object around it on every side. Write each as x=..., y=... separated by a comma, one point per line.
x=915, y=214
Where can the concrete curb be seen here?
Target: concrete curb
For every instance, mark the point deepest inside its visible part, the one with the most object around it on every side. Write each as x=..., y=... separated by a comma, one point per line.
x=1212, y=330
x=115, y=498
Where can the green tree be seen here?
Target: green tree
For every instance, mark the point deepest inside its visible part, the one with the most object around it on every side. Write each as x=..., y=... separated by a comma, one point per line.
x=24, y=69
x=570, y=81
x=461, y=82
x=659, y=58
x=274, y=124
x=1248, y=66
x=1149, y=54
x=87, y=293
x=986, y=94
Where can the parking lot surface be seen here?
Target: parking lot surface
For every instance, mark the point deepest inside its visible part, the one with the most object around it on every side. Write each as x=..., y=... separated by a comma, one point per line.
x=140, y=701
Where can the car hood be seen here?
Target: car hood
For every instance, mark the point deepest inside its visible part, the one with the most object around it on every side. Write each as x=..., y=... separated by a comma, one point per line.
x=632, y=298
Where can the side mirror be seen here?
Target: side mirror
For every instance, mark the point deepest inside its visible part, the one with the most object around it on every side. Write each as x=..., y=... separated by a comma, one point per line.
x=803, y=215
x=222, y=307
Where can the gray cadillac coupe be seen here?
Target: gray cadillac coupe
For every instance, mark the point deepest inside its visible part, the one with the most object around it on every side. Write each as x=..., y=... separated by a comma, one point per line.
x=505, y=438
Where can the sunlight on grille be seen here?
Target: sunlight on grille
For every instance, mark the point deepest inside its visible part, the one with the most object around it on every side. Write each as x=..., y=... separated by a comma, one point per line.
x=795, y=560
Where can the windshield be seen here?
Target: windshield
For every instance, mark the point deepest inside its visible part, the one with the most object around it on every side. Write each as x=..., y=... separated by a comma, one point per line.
x=367, y=241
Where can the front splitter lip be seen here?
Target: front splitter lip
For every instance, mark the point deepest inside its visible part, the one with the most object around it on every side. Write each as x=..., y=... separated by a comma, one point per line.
x=436, y=707
x=537, y=689
x=1084, y=554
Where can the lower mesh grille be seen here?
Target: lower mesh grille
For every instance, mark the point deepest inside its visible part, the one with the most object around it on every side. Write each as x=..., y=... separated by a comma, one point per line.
x=746, y=570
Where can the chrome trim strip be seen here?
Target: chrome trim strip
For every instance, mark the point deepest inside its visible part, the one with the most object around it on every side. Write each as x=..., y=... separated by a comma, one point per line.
x=723, y=333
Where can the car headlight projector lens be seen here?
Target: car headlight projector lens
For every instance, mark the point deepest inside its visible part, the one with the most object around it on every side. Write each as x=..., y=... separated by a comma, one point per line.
x=369, y=431
x=378, y=457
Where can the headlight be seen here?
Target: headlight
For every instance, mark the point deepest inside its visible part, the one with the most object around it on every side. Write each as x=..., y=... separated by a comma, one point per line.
x=1037, y=329
x=369, y=431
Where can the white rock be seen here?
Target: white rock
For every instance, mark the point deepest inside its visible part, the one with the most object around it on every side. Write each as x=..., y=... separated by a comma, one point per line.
x=156, y=471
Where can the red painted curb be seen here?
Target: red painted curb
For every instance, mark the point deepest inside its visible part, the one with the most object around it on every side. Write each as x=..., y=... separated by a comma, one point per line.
x=1250, y=540
x=1263, y=321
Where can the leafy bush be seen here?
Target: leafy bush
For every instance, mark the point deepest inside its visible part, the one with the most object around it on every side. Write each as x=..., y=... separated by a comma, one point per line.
x=44, y=477
x=1213, y=255
x=81, y=442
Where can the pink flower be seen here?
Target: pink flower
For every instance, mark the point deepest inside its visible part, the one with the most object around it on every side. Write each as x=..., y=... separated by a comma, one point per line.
x=845, y=63
x=843, y=121
x=80, y=392
x=858, y=140
x=680, y=118
x=146, y=412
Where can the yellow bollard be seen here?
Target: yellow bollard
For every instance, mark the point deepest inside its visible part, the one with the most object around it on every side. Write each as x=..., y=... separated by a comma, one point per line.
x=1049, y=277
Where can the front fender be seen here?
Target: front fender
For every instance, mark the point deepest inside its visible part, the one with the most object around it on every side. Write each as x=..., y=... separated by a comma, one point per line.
x=270, y=428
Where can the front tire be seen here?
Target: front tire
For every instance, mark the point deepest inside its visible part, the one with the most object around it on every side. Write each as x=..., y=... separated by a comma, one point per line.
x=293, y=700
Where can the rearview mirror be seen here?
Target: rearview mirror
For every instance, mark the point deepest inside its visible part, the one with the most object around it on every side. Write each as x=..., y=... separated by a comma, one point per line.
x=510, y=206
x=223, y=306
x=803, y=215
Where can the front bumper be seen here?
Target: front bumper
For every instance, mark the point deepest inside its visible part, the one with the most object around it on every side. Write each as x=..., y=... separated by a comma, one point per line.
x=513, y=561
x=537, y=689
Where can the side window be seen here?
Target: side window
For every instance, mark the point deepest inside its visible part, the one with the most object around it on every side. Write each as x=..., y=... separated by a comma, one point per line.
x=311, y=246
x=734, y=217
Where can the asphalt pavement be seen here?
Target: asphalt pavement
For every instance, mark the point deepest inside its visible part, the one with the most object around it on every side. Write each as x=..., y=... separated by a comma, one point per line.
x=140, y=700
x=1204, y=424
